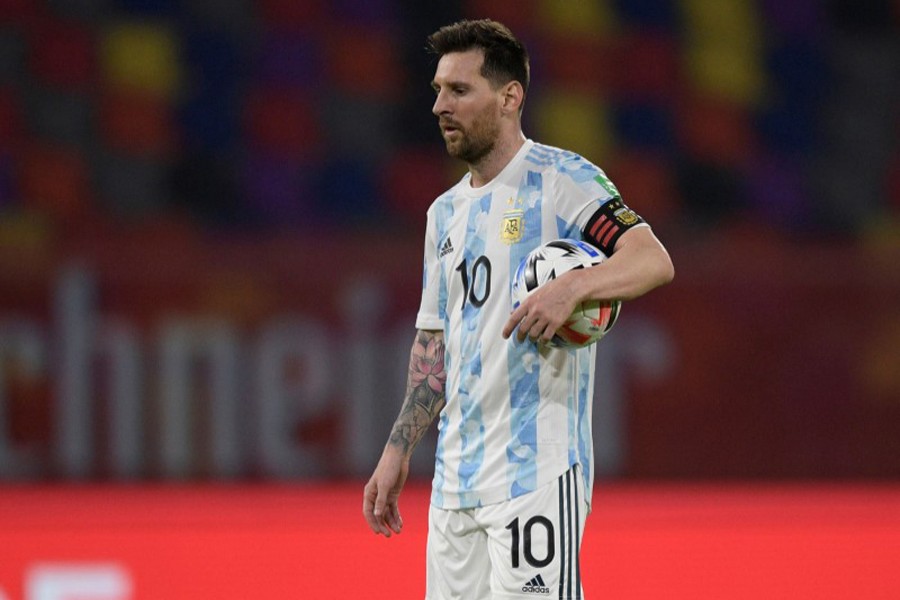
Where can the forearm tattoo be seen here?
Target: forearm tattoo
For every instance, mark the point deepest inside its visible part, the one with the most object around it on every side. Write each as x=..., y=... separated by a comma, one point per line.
x=425, y=391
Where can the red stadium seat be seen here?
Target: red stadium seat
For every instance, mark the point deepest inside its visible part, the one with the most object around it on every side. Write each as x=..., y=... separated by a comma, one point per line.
x=715, y=131
x=11, y=125
x=648, y=185
x=55, y=181
x=62, y=54
x=291, y=13
x=282, y=122
x=365, y=62
x=137, y=124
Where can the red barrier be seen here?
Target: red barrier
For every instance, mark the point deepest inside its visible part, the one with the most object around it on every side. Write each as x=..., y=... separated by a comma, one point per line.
x=161, y=353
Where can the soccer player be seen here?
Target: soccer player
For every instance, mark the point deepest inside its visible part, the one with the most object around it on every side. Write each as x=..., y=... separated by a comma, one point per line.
x=513, y=470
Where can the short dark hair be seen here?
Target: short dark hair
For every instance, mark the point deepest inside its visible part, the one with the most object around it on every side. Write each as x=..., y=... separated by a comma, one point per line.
x=505, y=57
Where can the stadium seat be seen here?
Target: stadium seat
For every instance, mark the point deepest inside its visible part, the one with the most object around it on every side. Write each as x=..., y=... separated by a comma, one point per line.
x=723, y=49
x=715, y=130
x=290, y=14
x=9, y=191
x=378, y=14
x=148, y=8
x=647, y=126
x=579, y=64
x=893, y=183
x=412, y=178
x=798, y=20
x=578, y=122
x=788, y=128
x=283, y=122
x=518, y=15
x=132, y=188
x=645, y=68
x=653, y=15
x=648, y=185
x=347, y=191
x=12, y=126
x=711, y=193
x=290, y=59
x=55, y=181
x=62, y=54
x=232, y=16
x=214, y=60
x=279, y=192
x=588, y=18
x=776, y=194
x=205, y=185
x=12, y=55
x=62, y=116
x=365, y=62
x=141, y=56
x=83, y=11
x=210, y=121
x=136, y=124
x=345, y=115
x=17, y=10
x=797, y=72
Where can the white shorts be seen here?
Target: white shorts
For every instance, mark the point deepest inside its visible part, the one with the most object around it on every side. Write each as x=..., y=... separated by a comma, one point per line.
x=526, y=547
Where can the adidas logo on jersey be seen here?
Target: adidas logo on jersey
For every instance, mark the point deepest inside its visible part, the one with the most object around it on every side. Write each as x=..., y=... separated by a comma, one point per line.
x=446, y=248
x=536, y=586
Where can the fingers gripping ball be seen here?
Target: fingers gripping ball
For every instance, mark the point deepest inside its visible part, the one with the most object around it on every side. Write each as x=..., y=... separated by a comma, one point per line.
x=590, y=320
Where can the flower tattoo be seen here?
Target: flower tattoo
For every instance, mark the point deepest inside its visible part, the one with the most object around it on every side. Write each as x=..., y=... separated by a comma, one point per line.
x=425, y=393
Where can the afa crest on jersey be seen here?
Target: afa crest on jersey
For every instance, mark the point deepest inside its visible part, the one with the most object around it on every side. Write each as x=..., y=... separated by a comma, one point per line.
x=511, y=228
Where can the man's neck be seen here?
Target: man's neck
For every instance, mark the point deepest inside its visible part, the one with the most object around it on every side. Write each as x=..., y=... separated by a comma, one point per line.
x=484, y=171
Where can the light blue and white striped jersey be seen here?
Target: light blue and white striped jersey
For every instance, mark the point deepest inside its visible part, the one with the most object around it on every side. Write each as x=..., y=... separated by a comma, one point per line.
x=517, y=416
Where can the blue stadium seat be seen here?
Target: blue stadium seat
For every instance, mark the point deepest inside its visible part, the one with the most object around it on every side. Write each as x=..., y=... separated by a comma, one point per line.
x=645, y=126
x=293, y=58
x=652, y=14
x=279, y=192
x=150, y=8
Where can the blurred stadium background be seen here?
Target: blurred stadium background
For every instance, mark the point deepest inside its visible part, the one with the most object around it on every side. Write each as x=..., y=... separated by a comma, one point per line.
x=211, y=217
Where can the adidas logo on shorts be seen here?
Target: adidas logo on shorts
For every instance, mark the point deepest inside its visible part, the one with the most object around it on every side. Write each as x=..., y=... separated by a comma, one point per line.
x=536, y=586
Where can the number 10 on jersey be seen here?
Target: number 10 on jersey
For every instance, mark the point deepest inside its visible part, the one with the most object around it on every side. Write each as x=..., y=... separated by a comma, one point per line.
x=476, y=281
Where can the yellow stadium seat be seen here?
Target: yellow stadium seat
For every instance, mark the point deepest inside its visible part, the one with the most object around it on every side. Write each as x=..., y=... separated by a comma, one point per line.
x=574, y=121
x=578, y=17
x=727, y=73
x=141, y=57
x=723, y=52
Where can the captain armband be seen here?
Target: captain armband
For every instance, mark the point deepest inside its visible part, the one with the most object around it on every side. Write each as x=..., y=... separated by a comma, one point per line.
x=607, y=225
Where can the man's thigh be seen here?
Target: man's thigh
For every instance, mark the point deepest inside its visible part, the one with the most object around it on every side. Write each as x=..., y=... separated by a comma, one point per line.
x=458, y=565
x=534, y=541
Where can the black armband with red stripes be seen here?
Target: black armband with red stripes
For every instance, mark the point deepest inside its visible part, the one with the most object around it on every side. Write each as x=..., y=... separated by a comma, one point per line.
x=610, y=221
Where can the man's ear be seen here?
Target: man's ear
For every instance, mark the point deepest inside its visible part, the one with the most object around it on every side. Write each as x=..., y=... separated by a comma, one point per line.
x=513, y=96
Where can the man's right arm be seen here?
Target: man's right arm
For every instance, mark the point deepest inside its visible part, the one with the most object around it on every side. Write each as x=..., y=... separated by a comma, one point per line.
x=425, y=392
x=425, y=397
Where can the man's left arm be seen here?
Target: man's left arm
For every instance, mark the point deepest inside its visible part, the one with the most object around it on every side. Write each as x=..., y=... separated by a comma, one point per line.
x=639, y=263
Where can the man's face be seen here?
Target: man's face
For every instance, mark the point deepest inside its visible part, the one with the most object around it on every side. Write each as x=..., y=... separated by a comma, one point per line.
x=467, y=107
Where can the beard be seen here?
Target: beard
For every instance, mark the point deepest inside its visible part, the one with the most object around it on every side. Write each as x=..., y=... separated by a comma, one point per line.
x=475, y=142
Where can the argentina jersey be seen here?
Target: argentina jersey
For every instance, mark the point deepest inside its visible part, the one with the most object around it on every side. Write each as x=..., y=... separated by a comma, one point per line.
x=517, y=415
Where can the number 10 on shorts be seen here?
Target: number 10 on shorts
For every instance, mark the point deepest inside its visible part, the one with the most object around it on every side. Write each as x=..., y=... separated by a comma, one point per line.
x=522, y=541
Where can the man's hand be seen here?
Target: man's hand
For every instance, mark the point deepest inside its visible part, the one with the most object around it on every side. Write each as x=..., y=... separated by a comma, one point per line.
x=544, y=310
x=380, y=497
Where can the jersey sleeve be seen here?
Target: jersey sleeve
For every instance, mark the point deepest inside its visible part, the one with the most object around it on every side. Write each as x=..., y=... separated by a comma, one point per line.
x=602, y=215
x=430, y=315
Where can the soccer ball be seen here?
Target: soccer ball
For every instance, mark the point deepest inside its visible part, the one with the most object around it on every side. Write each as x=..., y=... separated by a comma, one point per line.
x=590, y=320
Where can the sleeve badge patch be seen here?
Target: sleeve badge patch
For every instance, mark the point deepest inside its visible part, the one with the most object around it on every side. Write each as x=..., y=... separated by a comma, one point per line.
x=626, y=216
